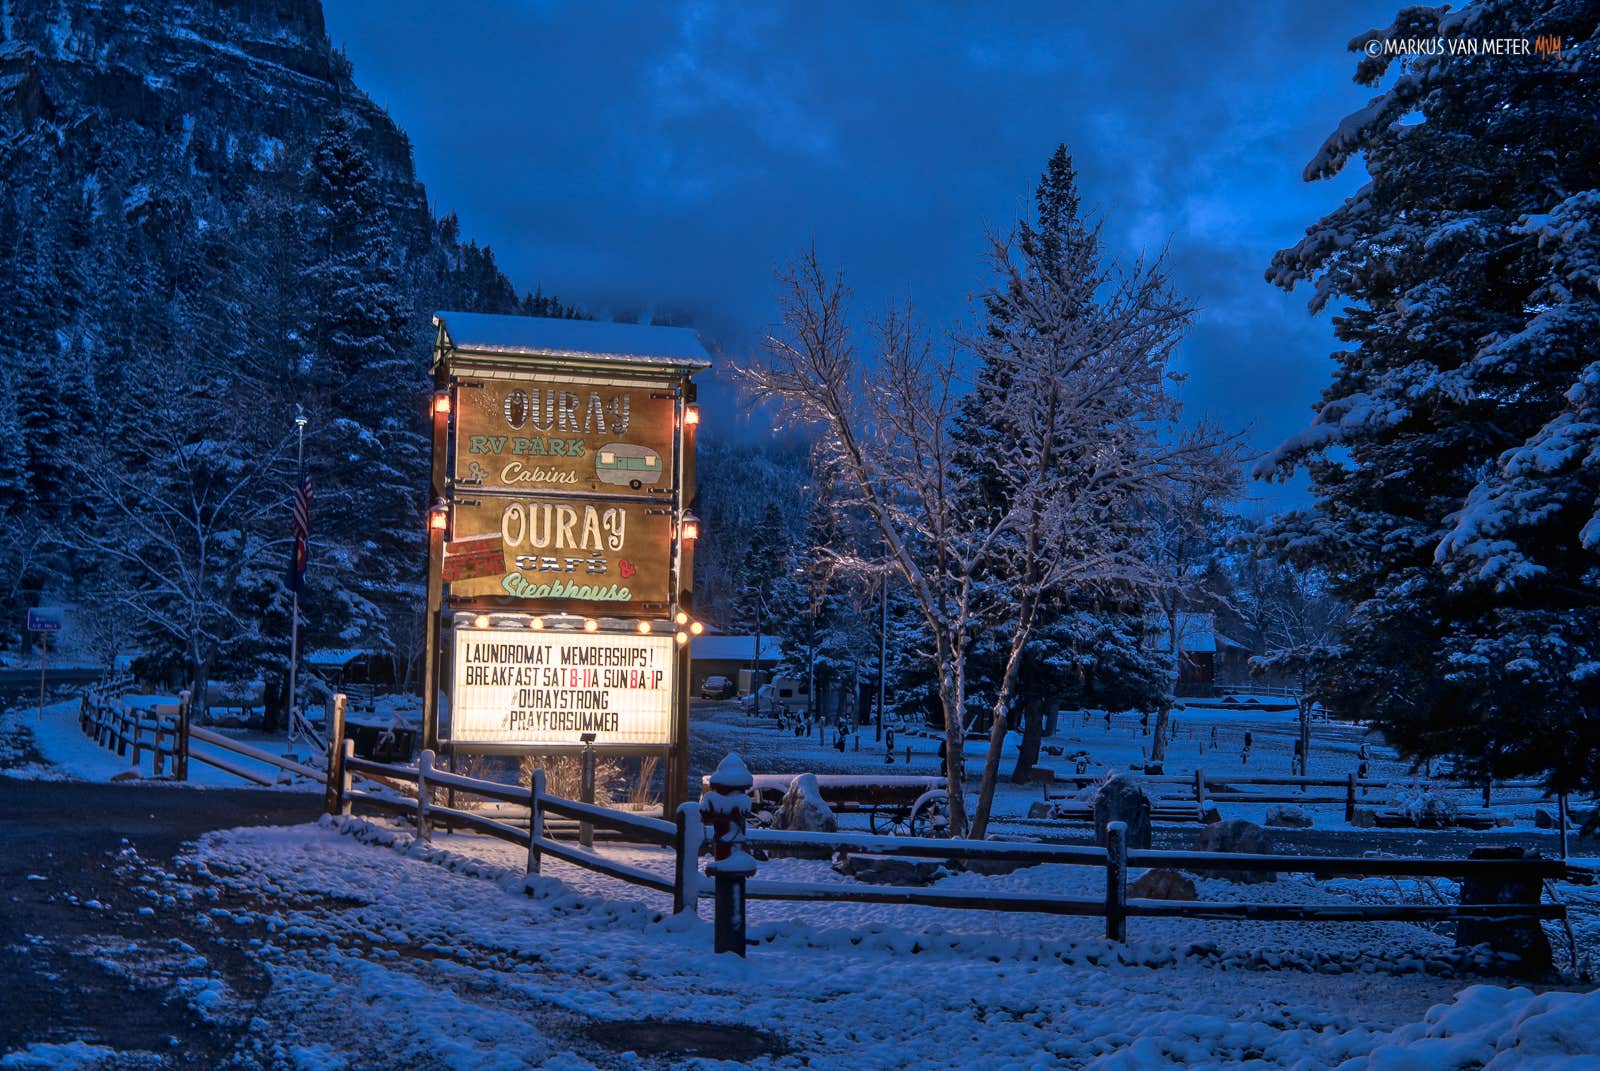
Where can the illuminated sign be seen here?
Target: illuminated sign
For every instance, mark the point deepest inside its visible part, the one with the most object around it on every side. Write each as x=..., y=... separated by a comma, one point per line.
x=544, y=689
x=614, y=555
x=531, y=435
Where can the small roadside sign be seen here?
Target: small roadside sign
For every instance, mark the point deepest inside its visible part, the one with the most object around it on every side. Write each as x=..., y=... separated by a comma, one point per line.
x=44, y=619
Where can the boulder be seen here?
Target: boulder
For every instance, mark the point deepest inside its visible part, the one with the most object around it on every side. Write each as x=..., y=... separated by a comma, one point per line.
x=1523, y=938
x=127, y=775
x=1162, y=885
x=1288, y=817
x=804, y=809
x=1543, y=819
x=890, y=869
x=1364, y=818
x=1588, y=827
x=1120, y=799
x=1236, y=836
x=1041, y=810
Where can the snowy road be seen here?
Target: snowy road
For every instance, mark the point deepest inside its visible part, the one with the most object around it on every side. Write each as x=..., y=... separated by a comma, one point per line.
x=84, y=952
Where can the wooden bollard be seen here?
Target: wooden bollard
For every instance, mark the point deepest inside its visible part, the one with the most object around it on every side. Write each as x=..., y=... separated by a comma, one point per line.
x=1117, y=881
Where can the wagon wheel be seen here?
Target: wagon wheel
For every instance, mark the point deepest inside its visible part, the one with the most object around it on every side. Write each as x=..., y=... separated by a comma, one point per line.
x=929, y=816
x=886, y=821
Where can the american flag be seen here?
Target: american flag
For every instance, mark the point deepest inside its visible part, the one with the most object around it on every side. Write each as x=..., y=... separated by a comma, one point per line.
x=300, y=511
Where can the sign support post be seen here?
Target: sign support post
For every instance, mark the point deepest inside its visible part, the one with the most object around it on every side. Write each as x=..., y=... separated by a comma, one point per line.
x=44, y=622
x=438, y=530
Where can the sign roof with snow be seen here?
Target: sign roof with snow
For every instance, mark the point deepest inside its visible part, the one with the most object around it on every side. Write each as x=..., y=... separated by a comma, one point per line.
x=581, y=340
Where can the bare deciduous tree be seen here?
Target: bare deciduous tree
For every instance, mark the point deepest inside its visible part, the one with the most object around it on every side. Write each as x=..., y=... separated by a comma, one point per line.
x=1091, y=434
x=184, y=525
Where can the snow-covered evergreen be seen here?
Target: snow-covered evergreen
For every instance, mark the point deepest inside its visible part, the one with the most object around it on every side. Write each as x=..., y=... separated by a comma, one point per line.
x=1456, y=454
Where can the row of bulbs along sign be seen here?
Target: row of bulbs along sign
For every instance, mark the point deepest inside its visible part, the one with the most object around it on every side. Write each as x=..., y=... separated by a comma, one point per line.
x=566, y=564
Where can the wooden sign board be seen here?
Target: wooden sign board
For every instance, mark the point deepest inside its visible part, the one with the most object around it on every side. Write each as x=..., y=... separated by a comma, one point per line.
x=540, y=434
x=596, y=556
x=549, y=689
x=474, y=557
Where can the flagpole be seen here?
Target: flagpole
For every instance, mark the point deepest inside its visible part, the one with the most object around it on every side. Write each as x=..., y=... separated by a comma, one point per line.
x=294, y=619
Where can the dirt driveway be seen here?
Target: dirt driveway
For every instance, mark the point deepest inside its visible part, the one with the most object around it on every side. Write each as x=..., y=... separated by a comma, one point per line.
x=84, y=951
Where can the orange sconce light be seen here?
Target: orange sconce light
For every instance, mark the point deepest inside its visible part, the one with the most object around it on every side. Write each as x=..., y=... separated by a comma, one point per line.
x=441, y=403
x=439, y=518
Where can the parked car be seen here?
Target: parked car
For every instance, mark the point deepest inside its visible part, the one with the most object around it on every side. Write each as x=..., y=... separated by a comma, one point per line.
x=716, y=688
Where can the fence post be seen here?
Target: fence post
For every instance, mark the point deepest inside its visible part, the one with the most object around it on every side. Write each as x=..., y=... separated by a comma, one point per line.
x=1200, y=793
x=686, y=843
x=138, y=740
x=1117, y=881
x=181, y=762
x=347, y=751
x=586, y=791
x=1561, y=818
x=158, y=758
x=122, y=735
x=535, y=819
x=1350, y=798
x=336, y=756
x=333, y=798
x=424, y=794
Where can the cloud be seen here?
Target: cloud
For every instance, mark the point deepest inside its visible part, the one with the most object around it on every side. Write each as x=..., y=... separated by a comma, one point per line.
x=636, y=156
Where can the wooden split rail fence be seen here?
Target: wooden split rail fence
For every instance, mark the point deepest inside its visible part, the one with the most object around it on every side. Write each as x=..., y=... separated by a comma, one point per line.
x=686, y=835
x=166, y=732
x=682, y=836
x=1206, y=789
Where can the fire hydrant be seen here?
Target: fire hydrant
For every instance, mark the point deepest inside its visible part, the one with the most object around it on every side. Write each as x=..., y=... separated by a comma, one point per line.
x=725, y=807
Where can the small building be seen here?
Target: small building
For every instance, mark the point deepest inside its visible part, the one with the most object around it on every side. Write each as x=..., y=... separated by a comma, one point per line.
x=1202, y=652
x=725, y=656
x=342, y=667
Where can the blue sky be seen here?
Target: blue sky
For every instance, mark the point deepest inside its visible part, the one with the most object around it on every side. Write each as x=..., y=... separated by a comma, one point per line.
x=669, y=156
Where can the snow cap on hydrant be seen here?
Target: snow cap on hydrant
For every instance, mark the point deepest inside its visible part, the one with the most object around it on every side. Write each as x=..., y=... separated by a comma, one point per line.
x=725, y=804
x=731, y=774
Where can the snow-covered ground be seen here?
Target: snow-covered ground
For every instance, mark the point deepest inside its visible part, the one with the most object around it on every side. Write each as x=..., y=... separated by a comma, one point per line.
x=383, y=952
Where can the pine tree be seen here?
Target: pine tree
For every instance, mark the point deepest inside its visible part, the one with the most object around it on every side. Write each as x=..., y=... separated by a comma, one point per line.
x=1455, y=457
x=365, y=383
x=1060, y=241
x=765, y=560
